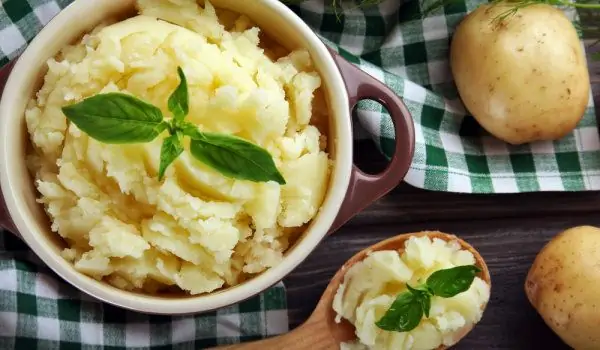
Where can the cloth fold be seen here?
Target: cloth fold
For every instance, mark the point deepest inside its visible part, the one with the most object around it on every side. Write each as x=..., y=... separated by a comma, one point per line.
x=395, y=44
x=40, y=311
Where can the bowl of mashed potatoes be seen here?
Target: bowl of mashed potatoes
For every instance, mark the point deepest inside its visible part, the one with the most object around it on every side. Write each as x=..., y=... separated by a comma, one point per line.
x=195, y=239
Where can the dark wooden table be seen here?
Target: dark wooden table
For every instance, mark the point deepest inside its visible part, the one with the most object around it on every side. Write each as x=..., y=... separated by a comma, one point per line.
x=508, y=230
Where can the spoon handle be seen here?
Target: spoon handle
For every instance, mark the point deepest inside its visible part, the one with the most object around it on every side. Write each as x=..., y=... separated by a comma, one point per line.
x=312, y=335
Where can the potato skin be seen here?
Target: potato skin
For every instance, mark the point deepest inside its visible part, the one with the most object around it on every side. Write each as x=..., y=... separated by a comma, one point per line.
x=563, y=283
x=523, y=79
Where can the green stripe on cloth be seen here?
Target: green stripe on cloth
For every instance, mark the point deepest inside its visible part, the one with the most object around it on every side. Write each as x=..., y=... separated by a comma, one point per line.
x=391, y=42
x=40, y=311
x=452, y=153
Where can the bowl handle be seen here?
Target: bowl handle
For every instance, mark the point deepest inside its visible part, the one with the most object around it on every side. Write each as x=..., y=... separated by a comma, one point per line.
x=5, y=221
x=365, y=189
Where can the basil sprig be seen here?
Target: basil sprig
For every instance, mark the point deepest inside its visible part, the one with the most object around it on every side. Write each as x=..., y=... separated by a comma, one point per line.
x=408, y=309
x=117, y=118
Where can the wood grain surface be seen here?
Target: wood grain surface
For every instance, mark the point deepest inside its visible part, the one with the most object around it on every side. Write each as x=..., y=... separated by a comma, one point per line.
x=508, y=230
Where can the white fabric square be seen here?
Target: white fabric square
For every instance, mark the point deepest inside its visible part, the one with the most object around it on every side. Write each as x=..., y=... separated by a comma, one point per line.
x=414, y=92
x=9, y=279
x=46, y=287
x=137, y=334
x=452, y=143
x=183, y=330
x=370, y=121
x=314, y=6
x=92, y=333
x=542, y=147
x=458, y=181
x=48, y=328
x=398, y=70
x=419, y=136
x=504, y=183
x=277, y=321
x=228, y=325
x=435, y=28
x=8, y=324
x=11, y=39
x=416, y=177
x=354, y=43
x=550, y=182
x=587, y=139
x=46, y=12
x=439, y=72
x=592, y=181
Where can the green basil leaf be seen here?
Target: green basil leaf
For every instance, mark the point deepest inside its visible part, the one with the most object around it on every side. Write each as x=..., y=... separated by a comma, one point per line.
x=164, y=125
x=423, y=296
x=422, y=289
x=450, y=282
x=190, y=130
x=425, y=301
x=235, y=157
x=170, y=150
x=404, y=314
x=178, y=101
x=116, y=118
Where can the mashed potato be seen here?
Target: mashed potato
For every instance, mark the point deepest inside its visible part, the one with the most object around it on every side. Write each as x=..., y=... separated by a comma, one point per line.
x=196, y=230
x=370, y=287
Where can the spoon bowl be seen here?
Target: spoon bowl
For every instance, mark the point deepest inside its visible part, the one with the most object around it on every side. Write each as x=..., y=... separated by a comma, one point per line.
x=321, y=331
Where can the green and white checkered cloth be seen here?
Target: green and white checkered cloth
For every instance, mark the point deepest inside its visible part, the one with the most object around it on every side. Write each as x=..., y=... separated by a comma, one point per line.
x=393, y=43
x=40, y=311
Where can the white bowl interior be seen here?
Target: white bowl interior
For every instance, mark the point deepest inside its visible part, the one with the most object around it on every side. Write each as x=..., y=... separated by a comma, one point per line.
x=20, y=194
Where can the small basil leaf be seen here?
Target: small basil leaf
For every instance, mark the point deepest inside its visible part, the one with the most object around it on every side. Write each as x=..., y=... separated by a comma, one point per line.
x=178, y=101
x=404, y=314
x=191, y=130
x=170, y=150
x=423, y=296
x=423, y=289
x=116, y=118
x=450, y=282
x=235, y=157
x=162, y=127
x=425, y=301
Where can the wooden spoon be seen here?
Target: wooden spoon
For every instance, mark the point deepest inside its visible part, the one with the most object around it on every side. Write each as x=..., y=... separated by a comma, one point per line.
x=321, y=331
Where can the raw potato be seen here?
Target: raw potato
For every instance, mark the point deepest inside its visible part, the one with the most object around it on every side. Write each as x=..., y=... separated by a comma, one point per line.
x=562, y=285
x=524, y=79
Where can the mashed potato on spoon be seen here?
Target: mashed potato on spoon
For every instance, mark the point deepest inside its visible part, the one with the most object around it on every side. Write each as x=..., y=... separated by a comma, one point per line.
x=371, y=286
x=195, y=230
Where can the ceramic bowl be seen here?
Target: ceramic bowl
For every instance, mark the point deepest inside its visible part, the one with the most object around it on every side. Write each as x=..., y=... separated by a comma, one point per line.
x=350, y=190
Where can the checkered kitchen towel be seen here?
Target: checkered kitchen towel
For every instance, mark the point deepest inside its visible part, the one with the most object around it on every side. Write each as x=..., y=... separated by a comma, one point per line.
x=40, y=311
x=391, y=42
